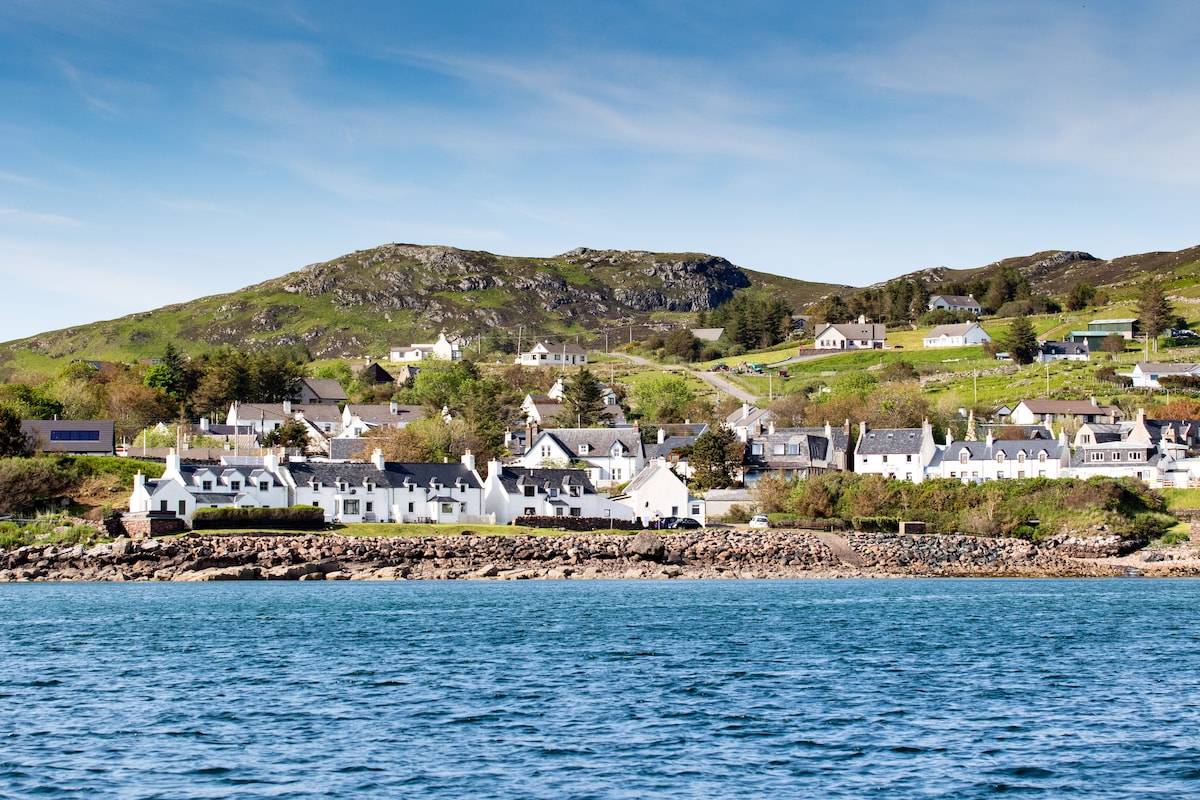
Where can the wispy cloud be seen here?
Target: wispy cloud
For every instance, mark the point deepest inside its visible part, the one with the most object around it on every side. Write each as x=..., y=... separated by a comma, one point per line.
x=24, y=217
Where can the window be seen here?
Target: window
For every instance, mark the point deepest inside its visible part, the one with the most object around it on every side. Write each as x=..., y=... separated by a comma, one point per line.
x=1135, y=456
x=235, y=486
x=206, y=486
x=756, y=450
x=777, y=449
x=410, y=508
x=908, y=458
x=616, y=473
x=558, y=511
x=576, y=491
x=183, y=508
x=1096, y=456
x=1042, y=457
x=584, y=449
x=1000, y=475
x=370, y=507
x=370, y=486
x=1021, y=457
x=1021, y=473
x=162, y=505
x=696, y=510
x=545, y=451
x=264, y=486
x=316, y=485
x=529, y=490
x=1116, y=456
x=315, y=503
x=793, y=449
x=530, y=511
x=885, y=459
x=962, y=457
x=447, y=508
x=1000, y=457
x=1041, y=473
x=349, y=506
x=575, y=512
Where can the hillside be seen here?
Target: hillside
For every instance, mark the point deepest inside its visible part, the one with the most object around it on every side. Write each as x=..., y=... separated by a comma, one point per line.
x=369, y=300
x=365, y=302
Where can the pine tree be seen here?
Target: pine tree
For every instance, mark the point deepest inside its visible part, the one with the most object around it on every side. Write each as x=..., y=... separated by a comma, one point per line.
x=583, y=400
x=715, y=457
x=1154, y=311
x=1021, y=341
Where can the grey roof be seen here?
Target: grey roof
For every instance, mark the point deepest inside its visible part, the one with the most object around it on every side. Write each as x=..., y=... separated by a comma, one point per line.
x=394, y=474
x=1159, y=368
x=350, y=449
x=868, y=331
x=956, y=299
x=663, y=450
x=1082, y=458
x=513, y=478
x=315, y=412
x=986, y=451
x=382, y=414
x=70, y=435
x=813, y=447
x=325, y=388
x=890, y=441
x=214, y=497
x=1066, y=348
x=599, y=440
x=952, y=330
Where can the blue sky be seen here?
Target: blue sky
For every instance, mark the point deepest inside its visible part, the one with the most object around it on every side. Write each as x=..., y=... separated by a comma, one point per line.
x=154, y=152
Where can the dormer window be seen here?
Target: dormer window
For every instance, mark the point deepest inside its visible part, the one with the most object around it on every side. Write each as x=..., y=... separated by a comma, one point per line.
x=584, y=449
x=1000, y=457
x=1021, y=457
x=963, y=456
x=341, y=486
x=235, y=486
x=206, y=486
x=316, y=485
x=1042, y=457
x=369, y=485
x=576, y=491
x=529, y=490
x=264, y=486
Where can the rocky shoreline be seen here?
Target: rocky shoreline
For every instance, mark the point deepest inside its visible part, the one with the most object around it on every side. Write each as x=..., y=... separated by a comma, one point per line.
x=693, y=554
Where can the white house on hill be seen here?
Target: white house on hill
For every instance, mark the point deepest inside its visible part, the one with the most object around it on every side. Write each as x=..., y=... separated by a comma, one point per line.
x=962, y=335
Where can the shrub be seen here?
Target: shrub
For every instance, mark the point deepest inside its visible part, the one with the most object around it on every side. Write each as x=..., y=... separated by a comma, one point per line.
x=738, y=513
x=28, y=483
x=294, y=518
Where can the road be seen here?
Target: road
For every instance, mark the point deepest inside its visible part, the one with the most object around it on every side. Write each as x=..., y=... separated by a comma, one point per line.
x=713, y=379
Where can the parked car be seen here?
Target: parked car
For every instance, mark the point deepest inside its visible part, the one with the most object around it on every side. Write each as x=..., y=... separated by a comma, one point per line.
x=759, y=521
x=680, y=522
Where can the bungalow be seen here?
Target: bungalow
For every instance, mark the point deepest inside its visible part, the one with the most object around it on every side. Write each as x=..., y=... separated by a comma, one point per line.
x=511, y=492
x=1063, y=351
x=1032, y=412
x=896, y=453
x=955, y=302
x=321, y=391
x=545, y=354
x=862, y=335
x=1146, y=374
x=963, y=335
x=657, y=492
x=81, y=437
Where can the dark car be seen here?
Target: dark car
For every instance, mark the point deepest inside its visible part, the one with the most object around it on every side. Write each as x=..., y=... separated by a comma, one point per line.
x=679, y=522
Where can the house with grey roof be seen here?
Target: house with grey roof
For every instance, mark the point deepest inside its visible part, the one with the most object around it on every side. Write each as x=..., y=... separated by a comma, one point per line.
x=657, y=492
x=321, y=391
x=611, y=455
x=955, y=302
x=966, y=334
x=511, y=492
x=861, y=335
x=245, y=482
x=548, y=354
x=795, y=452
x=1146, y=374
x=1001, y=459
x=81, y=437
x=1063, y=351
x=379, y=491
x=1120, y=459
x=1073, y=412
x=896, y=453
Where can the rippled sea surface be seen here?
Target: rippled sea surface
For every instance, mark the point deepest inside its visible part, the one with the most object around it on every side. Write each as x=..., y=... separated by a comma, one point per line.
x=601, y=689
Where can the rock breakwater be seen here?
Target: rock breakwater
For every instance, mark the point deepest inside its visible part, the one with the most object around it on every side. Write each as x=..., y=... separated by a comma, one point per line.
x=690, y=554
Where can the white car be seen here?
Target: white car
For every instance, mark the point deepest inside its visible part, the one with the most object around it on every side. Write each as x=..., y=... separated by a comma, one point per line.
x=759, y=521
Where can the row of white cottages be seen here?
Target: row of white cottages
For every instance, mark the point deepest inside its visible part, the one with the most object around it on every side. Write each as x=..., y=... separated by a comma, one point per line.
x=382, y=491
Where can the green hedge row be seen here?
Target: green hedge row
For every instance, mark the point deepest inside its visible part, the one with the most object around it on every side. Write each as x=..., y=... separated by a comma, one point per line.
x=294, y=518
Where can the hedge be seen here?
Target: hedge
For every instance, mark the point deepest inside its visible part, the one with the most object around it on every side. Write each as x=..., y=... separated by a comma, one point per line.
x=294, y=518
x=578, y=523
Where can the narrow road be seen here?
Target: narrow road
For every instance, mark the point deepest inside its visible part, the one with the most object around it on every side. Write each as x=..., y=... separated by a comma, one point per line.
x=711, y=378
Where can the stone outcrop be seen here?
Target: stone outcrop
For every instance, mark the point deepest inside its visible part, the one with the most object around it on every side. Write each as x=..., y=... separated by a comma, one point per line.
x=686, y=554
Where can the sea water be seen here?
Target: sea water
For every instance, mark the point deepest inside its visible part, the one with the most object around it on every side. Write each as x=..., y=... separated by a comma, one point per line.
x=601, y=689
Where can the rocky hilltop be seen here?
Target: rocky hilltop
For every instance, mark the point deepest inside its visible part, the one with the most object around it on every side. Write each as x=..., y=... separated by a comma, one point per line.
x=364, y=302
x=695, y=554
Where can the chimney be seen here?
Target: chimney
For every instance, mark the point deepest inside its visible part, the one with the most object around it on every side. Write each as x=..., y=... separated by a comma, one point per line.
x=172, y=464
x=862, y=430
x=989, y=440
x=745, y=410
x=828, y=430
x=1141, y=415
x=949, y=436
x=271, y=462
x=926, y=429
x=662, y=435
x=494, y=469
x=393, y=408
x=287, y=406
x=771, y=427
x=377, y=459
x=139, y=480
x=468, y=460
x=204, y=425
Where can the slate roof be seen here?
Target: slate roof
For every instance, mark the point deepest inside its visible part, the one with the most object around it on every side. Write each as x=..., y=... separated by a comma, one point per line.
x=327, y=389
x=1065, y=348
x=1150, y=367
x=986, y=451
x=599, y=440
x=890, y=441
x=952, y=330
x=1082, y=458
x=514, y=478
x=394, y=474
x=956, y=300
x=315, y=412
x=381, y=413
x=1067, y=407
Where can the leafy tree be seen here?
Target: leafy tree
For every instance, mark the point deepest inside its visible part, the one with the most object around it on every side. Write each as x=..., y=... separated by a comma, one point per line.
x=1154, y=310
x=13, y=441
x=662, y=398
x=30, y=402
x=583, y=400
x=831, y=309
x=1113, y=343
x=715, y=459
x=680, y=342
x=899, y=370
x=292, y=433
x=1081, y=296
x=1021, y=341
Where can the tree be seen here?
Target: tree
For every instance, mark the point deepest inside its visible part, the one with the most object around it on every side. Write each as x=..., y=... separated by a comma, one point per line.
x=583, y=400
x=662, y=398
x=715, y=458
x=680, y=342
x=1154, y=310
x=1021, y=341
x=1081, y=296
x=292, y=433
x=1113, y=343
x=13, y=441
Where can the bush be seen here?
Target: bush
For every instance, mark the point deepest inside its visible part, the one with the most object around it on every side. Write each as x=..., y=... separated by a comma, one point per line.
x=29, y=483
x=294, y=518
x=876, y=524
x=738, y=513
